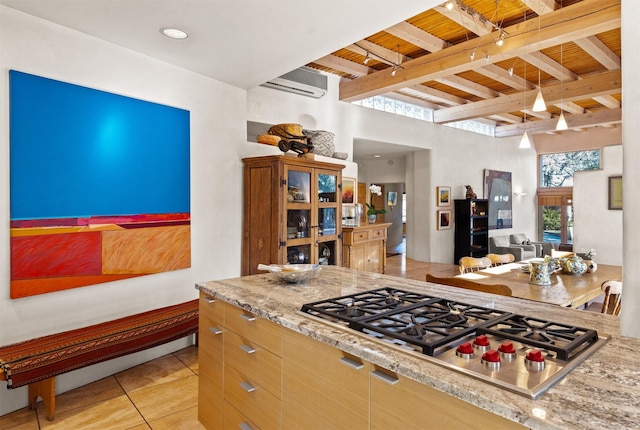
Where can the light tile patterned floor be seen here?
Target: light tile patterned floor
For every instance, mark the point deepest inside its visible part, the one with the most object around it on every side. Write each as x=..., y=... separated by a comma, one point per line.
x=161, y=394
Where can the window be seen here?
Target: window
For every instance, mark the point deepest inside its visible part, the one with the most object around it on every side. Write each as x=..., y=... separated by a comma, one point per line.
x=556, y=170
x=555, y=208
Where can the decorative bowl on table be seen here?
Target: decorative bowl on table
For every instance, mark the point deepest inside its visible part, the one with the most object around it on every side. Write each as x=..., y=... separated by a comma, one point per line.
x=292, y=273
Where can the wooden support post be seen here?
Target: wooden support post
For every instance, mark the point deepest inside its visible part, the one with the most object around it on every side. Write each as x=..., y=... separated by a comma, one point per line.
x=46, y=390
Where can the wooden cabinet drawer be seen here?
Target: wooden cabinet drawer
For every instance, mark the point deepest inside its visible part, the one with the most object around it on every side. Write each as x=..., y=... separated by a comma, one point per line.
x=252, y=400
x=234, y=420
x=399, y=402
x=325, y=380
x=210, y=355
x=211, y=308
x=377, y=233
x=258, y=330
x=360, y=236
x=255, y=362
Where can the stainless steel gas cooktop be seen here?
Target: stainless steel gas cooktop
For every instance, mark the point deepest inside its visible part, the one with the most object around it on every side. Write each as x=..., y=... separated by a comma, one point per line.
x=522, y=354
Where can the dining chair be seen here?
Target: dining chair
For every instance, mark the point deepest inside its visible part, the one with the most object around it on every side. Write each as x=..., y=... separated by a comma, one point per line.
x=500, y=259
x=501, y=290
x=472, y=264
x=612, y=297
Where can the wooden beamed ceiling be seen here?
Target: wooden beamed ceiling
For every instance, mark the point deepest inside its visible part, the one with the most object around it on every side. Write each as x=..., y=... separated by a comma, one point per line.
x=448, y=60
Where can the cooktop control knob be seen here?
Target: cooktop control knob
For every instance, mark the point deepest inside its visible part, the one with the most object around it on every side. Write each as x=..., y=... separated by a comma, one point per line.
x=507, y=350
x=491, y=359
x=465, y=350
x=534, y=360
x=481, y=342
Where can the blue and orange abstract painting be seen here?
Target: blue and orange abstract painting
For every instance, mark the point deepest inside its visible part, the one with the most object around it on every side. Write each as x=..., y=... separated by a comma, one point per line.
x=100, y=186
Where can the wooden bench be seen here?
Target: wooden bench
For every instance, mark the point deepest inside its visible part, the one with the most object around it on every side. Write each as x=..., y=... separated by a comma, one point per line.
x=36, y=362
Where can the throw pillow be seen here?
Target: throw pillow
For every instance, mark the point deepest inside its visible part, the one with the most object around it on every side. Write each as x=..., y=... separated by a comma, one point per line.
x=322, y=142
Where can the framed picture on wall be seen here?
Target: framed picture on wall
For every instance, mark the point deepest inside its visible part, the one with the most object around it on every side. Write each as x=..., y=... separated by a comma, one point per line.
x=443, y=196
x=348, y=191
x=615, y=192
x=444, y=220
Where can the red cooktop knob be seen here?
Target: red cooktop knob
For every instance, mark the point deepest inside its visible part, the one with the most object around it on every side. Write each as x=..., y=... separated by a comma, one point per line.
x=492, y=356
x=507, y=348
x=465, y=348
x=481, y=340
x=535, y=355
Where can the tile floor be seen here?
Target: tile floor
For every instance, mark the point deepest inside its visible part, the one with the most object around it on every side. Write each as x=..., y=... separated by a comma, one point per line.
x=159, y=394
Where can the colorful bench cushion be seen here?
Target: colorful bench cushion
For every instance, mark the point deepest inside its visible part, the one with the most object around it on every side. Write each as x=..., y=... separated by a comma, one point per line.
x=44, y=357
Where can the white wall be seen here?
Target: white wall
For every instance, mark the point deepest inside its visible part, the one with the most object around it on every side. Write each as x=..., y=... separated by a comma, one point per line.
x=631, y=160
x=595, y=226
x=218, y=131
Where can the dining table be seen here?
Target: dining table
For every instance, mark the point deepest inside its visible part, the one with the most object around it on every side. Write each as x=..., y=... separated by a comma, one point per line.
x=567, y=290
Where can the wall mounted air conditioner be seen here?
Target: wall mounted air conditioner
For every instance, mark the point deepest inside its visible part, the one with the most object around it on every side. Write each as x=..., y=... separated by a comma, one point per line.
x=303, y=81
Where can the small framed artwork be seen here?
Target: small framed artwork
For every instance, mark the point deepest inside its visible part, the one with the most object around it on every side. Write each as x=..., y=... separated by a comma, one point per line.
x=615, y=192
x=444, y=220
x=348, y=190
x=392, y=199
x=444, y=196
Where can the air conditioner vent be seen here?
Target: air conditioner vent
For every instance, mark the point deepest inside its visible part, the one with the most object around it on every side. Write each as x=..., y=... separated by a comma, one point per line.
x=301, y=81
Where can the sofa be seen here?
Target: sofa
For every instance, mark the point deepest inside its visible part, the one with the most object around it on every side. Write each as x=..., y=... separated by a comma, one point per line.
x=522, y=239
x=503, y=245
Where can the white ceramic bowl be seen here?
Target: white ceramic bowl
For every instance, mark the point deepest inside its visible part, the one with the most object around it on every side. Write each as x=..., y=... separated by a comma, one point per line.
x=292, y=273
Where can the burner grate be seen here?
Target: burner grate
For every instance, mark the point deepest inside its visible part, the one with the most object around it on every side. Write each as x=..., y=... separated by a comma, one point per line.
x=565, y=340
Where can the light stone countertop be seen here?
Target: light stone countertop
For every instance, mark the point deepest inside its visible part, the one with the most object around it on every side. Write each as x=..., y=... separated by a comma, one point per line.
x=603, y=392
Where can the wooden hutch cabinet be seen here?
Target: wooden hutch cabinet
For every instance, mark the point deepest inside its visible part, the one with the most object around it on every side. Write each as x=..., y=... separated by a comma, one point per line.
x=471, y=228
x=292, y=212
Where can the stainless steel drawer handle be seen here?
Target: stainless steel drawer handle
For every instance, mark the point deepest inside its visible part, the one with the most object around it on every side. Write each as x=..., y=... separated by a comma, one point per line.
x=247, y=387
x=392, y=380
x=352, y=363
x=245, y=426
x=248, y=317
x=247, y=349
x=215, y=330
x=210, y=299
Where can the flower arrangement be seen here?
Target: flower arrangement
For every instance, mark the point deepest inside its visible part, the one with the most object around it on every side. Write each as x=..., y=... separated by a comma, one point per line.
x=371, y=209
x=589, y=254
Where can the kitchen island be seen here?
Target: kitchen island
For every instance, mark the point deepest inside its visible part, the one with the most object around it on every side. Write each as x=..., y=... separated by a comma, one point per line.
x=602, y=392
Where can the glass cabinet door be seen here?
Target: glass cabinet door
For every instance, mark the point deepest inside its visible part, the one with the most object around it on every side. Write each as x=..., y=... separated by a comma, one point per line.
x=298, y=186
x=327, y=188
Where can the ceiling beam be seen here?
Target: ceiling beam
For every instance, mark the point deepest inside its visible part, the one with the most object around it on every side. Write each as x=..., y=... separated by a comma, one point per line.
x=541, y=7
x=601, y=52
x=579, y=20
x=343, y=65
x=417, y=37
x=592, y=119
x=605, y=83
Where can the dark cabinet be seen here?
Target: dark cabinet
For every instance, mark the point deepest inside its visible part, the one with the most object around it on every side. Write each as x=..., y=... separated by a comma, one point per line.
x=471, y=228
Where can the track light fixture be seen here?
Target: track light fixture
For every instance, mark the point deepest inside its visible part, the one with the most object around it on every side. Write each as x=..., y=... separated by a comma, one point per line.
x=394, y=71
x=448, y=4
x=366, y=59
x=500, y=40
x=473, y=55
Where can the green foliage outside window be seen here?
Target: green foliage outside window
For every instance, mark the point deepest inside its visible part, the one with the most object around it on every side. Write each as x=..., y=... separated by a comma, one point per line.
x=552, y=221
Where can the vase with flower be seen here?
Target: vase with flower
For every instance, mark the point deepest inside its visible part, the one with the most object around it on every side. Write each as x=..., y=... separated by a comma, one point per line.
x=372, y=212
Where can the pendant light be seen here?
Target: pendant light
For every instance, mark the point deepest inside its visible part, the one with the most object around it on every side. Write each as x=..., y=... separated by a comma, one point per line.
x=562, y=123
x=539, y=105
x=524, y=141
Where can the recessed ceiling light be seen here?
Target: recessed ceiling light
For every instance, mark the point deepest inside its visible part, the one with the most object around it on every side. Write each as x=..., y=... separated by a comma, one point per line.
x=173, y=33
x=377, y=155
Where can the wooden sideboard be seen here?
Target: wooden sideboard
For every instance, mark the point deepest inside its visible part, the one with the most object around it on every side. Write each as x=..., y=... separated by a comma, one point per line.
x=365, y=247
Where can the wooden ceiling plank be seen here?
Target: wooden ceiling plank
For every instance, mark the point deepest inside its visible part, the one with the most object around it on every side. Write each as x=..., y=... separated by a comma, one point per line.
x=592, y=119
x=380, y=53
x=417, y=37
x=605, y=83
x=579, y=20
x=343, y=65
x=601, y=52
